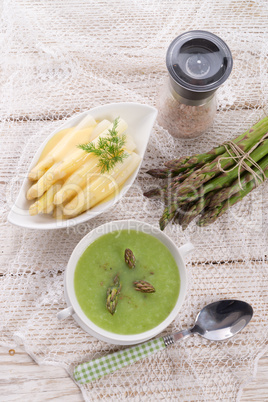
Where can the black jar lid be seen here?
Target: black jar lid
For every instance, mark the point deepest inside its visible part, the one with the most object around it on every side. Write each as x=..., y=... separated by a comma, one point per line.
x=198, y=63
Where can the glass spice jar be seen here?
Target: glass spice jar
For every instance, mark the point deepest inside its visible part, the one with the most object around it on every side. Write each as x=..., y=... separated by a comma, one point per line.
x=198, y=62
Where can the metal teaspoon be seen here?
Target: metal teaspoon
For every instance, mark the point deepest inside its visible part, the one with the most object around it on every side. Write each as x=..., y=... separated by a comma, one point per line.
x=217, y=321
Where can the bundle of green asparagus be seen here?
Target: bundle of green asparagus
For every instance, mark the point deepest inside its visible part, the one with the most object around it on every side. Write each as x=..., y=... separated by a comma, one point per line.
x=208, y=184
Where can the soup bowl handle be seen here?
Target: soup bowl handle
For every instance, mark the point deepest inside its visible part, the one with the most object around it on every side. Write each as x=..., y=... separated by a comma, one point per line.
x=65, y=313
x=186, y=249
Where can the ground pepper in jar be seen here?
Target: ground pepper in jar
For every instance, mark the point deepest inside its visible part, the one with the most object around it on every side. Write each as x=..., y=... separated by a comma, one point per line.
x=198, y=62
x=183, y=118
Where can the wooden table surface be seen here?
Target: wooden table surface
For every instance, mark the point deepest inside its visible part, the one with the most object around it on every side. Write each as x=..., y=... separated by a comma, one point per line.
x=22, y=379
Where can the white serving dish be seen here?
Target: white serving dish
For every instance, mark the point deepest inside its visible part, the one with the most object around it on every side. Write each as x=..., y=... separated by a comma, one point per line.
x=140, y=119
x=74, y=308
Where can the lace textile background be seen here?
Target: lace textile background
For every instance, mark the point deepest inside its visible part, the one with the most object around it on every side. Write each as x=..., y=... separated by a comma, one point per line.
x=61, y=58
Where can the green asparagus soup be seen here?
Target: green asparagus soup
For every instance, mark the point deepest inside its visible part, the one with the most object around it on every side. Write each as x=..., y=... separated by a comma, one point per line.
x=136, y=311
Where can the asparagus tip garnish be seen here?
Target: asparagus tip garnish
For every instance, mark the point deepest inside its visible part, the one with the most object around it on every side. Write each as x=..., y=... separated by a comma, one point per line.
x=112, y=295
x=130, y=258
x=144, y=287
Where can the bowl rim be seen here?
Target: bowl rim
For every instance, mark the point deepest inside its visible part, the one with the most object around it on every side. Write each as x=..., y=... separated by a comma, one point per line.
x=70, y=296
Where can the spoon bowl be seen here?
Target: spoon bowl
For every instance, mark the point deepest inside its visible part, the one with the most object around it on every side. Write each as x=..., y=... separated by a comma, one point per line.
x=222, y=320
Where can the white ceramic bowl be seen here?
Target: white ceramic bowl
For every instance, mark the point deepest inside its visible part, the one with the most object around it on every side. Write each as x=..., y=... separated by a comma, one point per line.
x=140, y=120
x=74, y=308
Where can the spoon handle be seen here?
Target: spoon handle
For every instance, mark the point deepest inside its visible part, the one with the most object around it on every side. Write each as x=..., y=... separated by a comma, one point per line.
x=97, y=368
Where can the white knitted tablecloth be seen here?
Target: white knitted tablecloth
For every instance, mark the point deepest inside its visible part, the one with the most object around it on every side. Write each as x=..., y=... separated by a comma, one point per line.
x=59, y=58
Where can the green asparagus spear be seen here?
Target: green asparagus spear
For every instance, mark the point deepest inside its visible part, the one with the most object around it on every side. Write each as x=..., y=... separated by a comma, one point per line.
x=166, y=190
x=144, y=287
x=215, y=212
x=226, y=193
x=154, y=192
x=178, y=180
x=195, y=209
x=130, y=258
x=164, y=173
x=193, y=212
x=198, y=160
x=169, y=213
x=182, y=212
x=112, y=295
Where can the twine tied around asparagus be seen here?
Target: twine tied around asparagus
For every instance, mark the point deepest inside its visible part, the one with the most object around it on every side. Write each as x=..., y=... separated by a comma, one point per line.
x=240, y=157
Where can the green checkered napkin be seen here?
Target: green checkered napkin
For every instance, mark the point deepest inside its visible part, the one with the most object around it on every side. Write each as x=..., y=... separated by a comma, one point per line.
x=97, y=368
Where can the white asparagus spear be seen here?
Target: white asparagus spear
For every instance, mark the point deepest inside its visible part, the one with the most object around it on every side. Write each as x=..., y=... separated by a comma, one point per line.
x=45, y=203
x=67, y=166
x=129, y=144
x=102, y=187
x=100, y=128
x=84, y=175
x=76, y=135
x=77, y=181
x=58, y=213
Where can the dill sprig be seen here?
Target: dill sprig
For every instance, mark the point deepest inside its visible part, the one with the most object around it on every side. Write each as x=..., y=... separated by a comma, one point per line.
x=109, y=149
